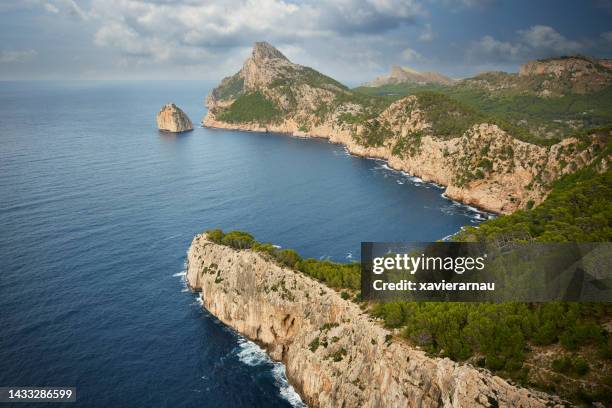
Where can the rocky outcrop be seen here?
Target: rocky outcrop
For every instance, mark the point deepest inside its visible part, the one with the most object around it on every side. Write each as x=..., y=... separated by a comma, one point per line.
x=572, y=74
x=335, y=355
x=482, y=166
x=172, y=119
x=405, y=75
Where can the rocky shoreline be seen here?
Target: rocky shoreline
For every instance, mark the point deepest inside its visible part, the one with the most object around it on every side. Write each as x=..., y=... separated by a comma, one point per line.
x=334, y=353
x=479, y=163
x=497, y=195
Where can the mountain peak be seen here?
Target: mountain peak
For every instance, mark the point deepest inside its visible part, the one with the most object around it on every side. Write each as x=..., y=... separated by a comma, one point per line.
x=263, y=51
x=401, y=74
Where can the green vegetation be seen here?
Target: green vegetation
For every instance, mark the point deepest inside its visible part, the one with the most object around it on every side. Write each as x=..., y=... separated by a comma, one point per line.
x=251, y=107
x=500, y=337
x=399, y=90
x=578, y=209
x=574, y=366
x=499, y=333
x=519, y=111
x=448, y=117
x=335, y=275
x=316, y=79
x=338, y=355
x=234, y=239
x=230, y=87
x=374, y=133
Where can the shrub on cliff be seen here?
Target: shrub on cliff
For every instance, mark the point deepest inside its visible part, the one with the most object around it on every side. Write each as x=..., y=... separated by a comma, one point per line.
x=336, y=275
x=234, y=239
x=215, y=235
x=251, y=107
x=238, y=240
x=287, y=257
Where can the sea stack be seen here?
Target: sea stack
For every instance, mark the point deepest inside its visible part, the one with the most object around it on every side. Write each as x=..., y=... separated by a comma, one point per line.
x=172, y=119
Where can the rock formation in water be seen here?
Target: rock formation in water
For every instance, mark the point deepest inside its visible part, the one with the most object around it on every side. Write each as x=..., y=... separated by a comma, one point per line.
x=172, y=119
x=405, y=75
x=428, y=135
x=335, y=354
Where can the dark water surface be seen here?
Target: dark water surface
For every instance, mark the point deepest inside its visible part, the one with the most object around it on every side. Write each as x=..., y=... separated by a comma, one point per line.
x=97, y=210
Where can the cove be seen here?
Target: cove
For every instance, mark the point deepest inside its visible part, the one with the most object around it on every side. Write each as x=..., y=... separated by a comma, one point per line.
x=98, y=209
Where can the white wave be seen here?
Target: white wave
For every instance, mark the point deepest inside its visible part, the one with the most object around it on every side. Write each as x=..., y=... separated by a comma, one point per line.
x=170, y=237
x=286, y=390
x=277, y=246
x=251, y=354
x=183, y=273
x=198, y=300
x=449, y=236
x=399, y=182
x=349, y=256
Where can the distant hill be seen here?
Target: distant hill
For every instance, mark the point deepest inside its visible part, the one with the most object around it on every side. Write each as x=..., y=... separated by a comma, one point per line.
x=405, y=75
x=549, y=99
x=552, y=77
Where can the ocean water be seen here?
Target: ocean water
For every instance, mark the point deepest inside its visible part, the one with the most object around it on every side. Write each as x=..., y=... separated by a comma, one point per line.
x=98, y=208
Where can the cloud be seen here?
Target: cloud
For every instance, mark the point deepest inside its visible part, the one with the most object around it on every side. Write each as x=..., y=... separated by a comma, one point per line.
x=547, y=39
x=51, y=8
x=538, y=41
x=427, y=35
x=411, y=55
x=17, y=56
x=130, y=43
x=167, y=29
x=490, y=48
x=457, y=5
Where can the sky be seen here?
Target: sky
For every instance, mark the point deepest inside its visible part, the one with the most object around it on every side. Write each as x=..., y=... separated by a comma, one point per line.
x=351, y=40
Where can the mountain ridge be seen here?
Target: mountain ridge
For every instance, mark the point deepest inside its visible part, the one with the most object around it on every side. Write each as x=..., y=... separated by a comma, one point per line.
x=400, y=74
x=481, y=161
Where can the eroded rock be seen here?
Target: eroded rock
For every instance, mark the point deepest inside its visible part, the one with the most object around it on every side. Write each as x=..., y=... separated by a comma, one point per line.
x=335, y=354
x=172, y=119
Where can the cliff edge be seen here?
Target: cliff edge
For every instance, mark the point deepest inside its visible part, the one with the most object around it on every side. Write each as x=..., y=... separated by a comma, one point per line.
x=335, y=354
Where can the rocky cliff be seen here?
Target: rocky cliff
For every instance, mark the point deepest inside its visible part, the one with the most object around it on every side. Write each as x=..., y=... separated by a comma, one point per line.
x=400, y=75
x=429, y=135
x=335, y=354
x=172, y=119
x=579, y=74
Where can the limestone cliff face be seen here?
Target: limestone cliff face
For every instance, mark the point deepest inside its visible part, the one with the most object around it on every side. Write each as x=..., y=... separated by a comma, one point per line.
x=335, y=355
x=172, y=119
x=482, y=166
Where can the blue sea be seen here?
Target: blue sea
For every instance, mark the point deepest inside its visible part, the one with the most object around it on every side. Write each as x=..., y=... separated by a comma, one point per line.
x=97, y=211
